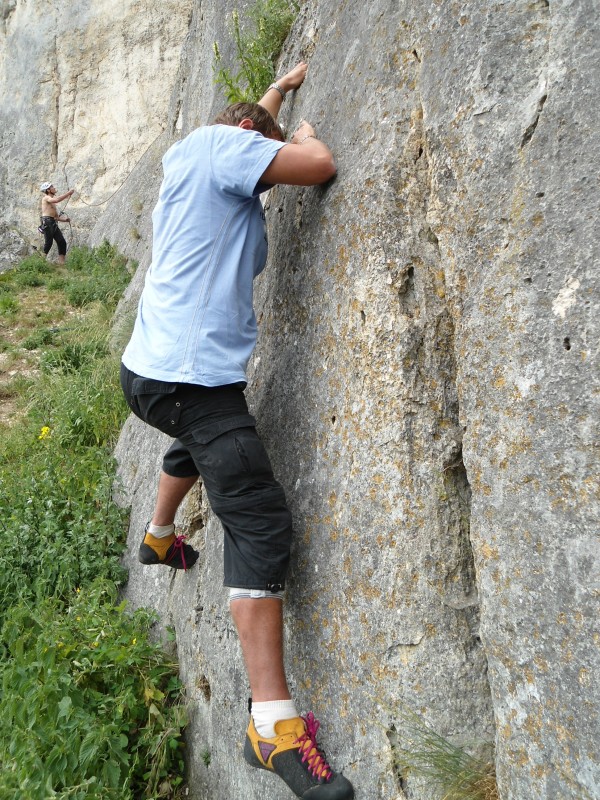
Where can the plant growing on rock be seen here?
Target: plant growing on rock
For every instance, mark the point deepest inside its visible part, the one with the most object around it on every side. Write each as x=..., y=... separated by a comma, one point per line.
x=447, y=768
x=257, y=49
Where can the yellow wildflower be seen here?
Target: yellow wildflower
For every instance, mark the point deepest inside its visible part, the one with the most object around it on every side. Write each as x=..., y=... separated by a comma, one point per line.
x=44, y=432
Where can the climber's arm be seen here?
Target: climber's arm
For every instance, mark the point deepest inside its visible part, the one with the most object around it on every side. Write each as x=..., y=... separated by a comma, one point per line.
x=305, y=161
x=55, y=200
x=272, y=98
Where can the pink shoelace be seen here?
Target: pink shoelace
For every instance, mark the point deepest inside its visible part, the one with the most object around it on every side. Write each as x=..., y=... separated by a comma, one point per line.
x=178, y=547
x=310, y=749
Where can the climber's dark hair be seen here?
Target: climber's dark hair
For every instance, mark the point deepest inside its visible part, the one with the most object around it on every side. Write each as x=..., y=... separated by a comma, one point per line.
x=263, y=121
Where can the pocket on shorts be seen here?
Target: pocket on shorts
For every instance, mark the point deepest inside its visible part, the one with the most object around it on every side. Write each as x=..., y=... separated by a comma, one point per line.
x=251, y=452
x=149, y=386
x=204, y=434
x=232, y=456
x=156, y=403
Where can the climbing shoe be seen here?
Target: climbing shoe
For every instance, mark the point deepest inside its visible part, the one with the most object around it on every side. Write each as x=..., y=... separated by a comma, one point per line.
x=170, y=550
x=294, y=755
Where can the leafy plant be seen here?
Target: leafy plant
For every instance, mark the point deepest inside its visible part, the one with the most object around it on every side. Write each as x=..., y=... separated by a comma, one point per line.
x=32, y=271
x=91, y=706
x=8, y=304
x=74, y=355
x=56, y=284
x=450, y=769
x=60, y=527
x=103, y=277
x=38, y=338
x=257, y=47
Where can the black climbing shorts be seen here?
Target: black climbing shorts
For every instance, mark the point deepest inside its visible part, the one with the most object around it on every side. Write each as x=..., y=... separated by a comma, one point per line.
x=215, y=438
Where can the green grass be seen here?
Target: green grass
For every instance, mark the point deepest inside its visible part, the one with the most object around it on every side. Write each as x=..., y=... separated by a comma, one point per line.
x=449, y=770
x=90, y=707
x=8, y=304
x=48, y=309
x=258, y=40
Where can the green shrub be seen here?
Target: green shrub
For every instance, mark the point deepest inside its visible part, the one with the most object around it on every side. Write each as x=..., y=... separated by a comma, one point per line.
x=38, y=338
x=91, y=706
x=73, y=356
x=56, y=284
x=32, y=271
x=84, y=408
x=29, y=279
x=257, y=49
x=60, y=528
x=34, y=263
x=100, y=274
x=8, y=304
x=81, y=346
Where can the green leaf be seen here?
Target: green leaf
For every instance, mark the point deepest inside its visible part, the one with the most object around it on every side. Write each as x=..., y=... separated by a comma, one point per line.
x=89, y=748
x=64, y=707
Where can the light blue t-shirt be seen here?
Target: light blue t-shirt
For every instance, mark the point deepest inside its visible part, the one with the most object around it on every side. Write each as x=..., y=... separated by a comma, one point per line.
x=196, y=321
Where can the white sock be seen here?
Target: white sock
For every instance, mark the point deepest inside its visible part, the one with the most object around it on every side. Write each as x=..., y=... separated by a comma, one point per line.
x=160, y=531
x=265, y=715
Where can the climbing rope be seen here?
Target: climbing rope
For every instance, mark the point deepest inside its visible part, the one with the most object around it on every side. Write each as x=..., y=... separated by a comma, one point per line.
x=118, y=189
x=103, y=202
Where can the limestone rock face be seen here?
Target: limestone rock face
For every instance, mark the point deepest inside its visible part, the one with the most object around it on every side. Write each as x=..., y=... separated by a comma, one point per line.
x=12, y=248
x=426, y=382
x=86, y=88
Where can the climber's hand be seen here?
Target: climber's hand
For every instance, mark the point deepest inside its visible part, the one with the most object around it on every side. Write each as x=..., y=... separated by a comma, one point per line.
x=294, y=78
x=302, y=131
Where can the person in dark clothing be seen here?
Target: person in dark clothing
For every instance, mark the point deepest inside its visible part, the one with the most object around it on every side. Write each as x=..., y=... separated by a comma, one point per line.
x=51, y=218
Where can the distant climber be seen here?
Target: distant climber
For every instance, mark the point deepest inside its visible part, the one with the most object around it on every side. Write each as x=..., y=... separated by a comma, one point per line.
x=51, y=218
x=184, y=372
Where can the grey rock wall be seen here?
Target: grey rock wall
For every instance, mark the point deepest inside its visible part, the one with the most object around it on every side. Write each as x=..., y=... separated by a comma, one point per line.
x=513, y=137
x=426, y=382
x=86, y=88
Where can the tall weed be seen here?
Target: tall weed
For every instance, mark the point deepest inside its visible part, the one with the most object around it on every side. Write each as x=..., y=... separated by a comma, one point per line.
x=258, y=41
x=102, y=278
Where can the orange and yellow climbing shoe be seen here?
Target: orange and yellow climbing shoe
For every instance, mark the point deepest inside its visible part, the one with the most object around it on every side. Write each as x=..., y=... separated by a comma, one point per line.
x=170, y=550
x=294, y=755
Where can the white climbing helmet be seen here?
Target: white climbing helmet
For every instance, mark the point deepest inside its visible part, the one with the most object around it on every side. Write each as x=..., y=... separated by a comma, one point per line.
x=45, y=186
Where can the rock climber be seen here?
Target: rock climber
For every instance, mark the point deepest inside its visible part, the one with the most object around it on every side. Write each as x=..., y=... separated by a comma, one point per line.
x=51, y=218
x=184, y=372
